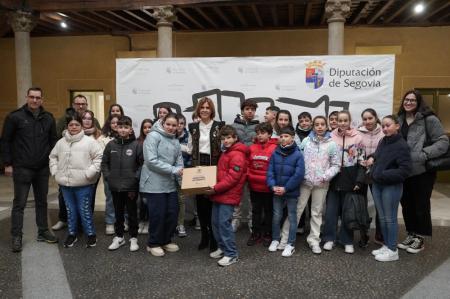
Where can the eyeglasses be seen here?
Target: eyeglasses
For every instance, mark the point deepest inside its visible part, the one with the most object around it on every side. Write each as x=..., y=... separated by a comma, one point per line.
x=80, y=104
x=34, y=98
x=412, y=101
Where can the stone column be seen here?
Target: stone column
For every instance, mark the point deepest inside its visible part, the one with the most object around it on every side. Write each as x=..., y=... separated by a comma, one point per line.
x=22, y=23
x=336, y=12
x=165, y=15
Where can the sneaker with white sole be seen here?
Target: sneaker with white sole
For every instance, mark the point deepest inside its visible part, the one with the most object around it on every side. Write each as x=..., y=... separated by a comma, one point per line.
x=171, y=247
x=288, y=251
x=116, y=243
x=227, y=260
x=379, y=250
x=273, y=246
x=315, y=248
x=387, y=256
x=181, y=231
x=416, y=246
x=349, y=249
x=216, y=254
x=156, y=251
x=145, y=229
x=281, y=246
x=109, y=229
x=59, y=225
x=235, y=224
x=328, y=246
x=140, y=227
x=126, y=227
x=407, y=242
x=134, y=244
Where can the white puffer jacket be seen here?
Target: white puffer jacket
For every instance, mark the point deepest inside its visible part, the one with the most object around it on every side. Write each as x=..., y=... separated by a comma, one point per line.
x=75, y=160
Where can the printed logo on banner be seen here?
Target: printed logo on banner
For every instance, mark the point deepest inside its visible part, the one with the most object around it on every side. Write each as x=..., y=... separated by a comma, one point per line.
x=314, y=74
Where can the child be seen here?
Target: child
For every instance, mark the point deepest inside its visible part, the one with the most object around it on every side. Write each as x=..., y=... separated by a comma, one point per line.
x=391, y=166
x=183, y=138
x=284, y=176
x=283, y=120
x=122, y=159
x=260, y=195
x=146, y=126
x=349, y=179
x=333, y=120
x=163, y=165
x=304, y=126
x=271, y=115
x=321, y=165
x=231, y=176
x=75, y=162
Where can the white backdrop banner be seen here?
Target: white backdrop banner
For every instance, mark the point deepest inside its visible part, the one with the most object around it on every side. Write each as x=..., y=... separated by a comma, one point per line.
x=317, y=84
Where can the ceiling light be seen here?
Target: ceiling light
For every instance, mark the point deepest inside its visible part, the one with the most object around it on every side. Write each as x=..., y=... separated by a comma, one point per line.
x=62, y=15
x=63, y=24
x=419, y=8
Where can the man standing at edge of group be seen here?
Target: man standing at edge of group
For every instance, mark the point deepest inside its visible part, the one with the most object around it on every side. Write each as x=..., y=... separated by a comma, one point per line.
x=29, y=134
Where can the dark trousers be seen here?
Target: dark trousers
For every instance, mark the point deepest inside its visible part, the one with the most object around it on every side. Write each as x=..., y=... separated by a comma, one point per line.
x=23, y=178
x=143, y=210
x=416, y=207
x=121, y=201
x=62, y=214
x=163, y=217
x=204, y=211
x=262, y=210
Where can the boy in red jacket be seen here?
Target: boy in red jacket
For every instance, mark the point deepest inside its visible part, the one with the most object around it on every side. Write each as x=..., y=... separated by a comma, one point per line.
x=260, y=194
x=226, y=194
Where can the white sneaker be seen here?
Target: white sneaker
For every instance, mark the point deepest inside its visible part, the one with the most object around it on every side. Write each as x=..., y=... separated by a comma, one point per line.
x=328, y=246
x=379, y=250
x=59, y=225
x=281, y=246
x=235, y=223
x=171, y=247
x=126, y=227
x=156, y=251
x=315, y=249
x=197, y=223
x=145, y=229
x=109, y=230
x=273, y=246
x=288, y=251
x=134, y=244
x=349, y=249
x=216, y=254
x=227, y=260
x=141, y=227
x=387, y=256
x=181, y=231
x=116, y=243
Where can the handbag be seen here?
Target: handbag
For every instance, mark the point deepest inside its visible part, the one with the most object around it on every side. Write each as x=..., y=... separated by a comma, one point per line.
x=355, y=215
x=440, y=163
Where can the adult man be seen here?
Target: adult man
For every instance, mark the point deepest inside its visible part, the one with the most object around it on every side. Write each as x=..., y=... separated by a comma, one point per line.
x=29, y=134
x=79, y=106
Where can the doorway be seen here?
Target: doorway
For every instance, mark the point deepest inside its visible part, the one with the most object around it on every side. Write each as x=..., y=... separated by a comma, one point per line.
x=96, y=102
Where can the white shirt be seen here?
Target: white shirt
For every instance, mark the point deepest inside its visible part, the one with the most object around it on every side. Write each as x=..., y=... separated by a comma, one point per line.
x=204, y=146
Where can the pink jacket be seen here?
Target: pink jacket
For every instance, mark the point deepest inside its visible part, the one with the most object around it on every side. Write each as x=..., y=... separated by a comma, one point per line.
x=350, y=142
x=370, y=139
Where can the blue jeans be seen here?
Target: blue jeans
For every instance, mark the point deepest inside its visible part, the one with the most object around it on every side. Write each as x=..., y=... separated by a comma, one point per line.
x=387, y=199
x=222, y=229
x=78, y=202
x=335, y=200
x=163, y=217
x=110, y=217
x=279, y=202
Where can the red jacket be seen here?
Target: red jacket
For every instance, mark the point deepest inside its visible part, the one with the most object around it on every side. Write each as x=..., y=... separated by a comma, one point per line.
x=231, y=175
x=259, y=158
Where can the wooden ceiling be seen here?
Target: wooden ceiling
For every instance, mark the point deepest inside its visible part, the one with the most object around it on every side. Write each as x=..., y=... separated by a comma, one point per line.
x=117, y=16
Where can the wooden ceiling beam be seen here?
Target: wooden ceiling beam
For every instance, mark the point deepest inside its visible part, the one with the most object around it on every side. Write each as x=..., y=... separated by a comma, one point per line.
x=307, y=13
x=206, y=17
x=182, y=24
x=405, y=5
x=79, y=21
x=257, y=15
x=140, y=19
x=190, y=18
x=437, y=10
x=109, y=20
x=361, y=10
x=291, y=14
x=274, y=13
x=56, y=23
x=126, y=20
x=92, y=20
x=380, y=12
x=442, y=18
x=415, y=16
x=223, y=16
x=238, y=13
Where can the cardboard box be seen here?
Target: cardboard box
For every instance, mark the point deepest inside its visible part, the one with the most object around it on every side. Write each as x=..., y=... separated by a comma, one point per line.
x=197, y=180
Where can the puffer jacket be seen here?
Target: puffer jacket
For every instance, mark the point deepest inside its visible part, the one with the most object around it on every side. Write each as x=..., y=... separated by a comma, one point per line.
x=286, y=169
x=121, y=164
x=351, y=152
x=392, y=161
x=184, y=139
x=370, y=139
x=417, y=138
x=231, y=175
x=321, y=159
x=75, y=160
x=258, y=164
x=245, y=130
x=162, y=161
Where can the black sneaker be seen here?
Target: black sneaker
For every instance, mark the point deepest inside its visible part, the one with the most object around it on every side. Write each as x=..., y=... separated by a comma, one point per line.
x=16, y=245
x=254, y=239
x=70, y=240
x=267, y=239
x=416, y=246
x=91, y=241
x=407, y=242
x=47, y=236
x=364, y=241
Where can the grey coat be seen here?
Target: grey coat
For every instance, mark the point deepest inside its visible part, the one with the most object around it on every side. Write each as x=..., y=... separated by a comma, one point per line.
x=417, y=140
x=245, y=130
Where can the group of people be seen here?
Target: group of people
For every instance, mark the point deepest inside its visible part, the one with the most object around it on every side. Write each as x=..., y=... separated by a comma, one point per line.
x=283, y=172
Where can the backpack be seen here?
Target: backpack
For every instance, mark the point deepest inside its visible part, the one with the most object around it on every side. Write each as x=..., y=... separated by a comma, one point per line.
x=355, y=215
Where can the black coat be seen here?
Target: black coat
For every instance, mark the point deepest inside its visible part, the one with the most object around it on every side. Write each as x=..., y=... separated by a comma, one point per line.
x=392, y=161
x=27, y=140
x=121, y=164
